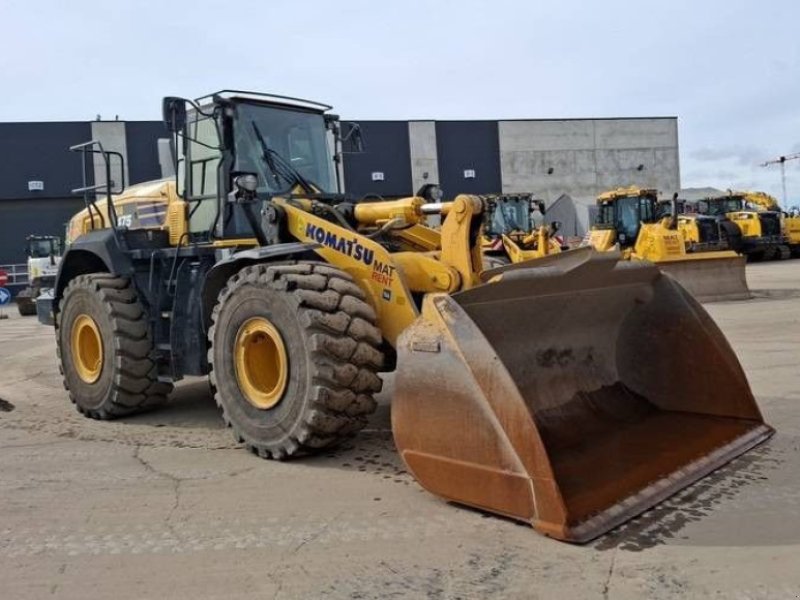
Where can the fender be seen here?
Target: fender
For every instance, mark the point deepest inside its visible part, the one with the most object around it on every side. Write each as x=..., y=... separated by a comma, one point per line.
x=219, y=274
x=93, y=252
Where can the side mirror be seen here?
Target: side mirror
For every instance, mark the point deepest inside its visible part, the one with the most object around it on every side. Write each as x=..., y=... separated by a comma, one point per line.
x=174, y=113
x=355, y=138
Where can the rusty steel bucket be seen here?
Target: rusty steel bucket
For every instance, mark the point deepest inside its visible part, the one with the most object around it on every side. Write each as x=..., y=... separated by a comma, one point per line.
x=571, y=393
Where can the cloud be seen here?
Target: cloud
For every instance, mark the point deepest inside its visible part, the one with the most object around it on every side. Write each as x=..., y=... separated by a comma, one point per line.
x=741, y=155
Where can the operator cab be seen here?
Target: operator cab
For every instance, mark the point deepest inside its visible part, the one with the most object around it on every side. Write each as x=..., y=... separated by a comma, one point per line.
x=43, y=246
x=233, y=147
x=515, y=214
x=718, y=207
x=625, y=212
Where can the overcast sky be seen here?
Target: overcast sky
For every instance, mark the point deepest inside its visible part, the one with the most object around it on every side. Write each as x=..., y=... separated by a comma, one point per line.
x=730, y=70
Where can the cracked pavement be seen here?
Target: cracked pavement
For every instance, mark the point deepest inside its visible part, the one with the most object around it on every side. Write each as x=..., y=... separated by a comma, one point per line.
x=167, y=504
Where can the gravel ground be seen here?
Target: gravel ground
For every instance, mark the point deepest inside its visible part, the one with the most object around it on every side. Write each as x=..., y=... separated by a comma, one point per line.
x=166, y=504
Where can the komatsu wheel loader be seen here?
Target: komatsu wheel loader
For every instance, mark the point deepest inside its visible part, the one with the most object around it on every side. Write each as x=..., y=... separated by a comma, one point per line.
x=561, y=395
x=762, y=230
x=513, y=234
x=629, y=218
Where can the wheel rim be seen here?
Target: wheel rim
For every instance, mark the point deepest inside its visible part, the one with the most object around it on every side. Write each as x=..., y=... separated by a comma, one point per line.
x=87, y=348
x=261, y=363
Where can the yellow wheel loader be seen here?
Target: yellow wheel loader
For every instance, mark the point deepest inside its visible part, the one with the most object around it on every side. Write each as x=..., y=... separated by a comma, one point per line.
x=559, y=392
x=630, y=219
x=514, y=230
x=44, y=252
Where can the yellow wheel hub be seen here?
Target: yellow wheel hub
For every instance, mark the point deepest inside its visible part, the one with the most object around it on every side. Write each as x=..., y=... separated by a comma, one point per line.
x=262, y=366
x=87, y=348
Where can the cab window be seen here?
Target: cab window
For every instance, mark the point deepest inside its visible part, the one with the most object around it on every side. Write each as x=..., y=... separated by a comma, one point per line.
x=204, y=157
x=200, y=167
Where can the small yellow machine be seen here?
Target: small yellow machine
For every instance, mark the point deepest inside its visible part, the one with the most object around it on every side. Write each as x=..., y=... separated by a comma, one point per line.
x=515, y=231
x=701, y=233
x=629, y=218
x=557, y=392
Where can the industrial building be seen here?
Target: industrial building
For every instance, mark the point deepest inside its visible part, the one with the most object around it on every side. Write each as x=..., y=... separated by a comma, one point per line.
x=566, y=162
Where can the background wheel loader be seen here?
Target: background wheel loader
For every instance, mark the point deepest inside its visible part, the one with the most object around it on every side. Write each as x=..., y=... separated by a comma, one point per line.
x=515, y=230
x=44, y=254
x=561, y=396
x=630, y=218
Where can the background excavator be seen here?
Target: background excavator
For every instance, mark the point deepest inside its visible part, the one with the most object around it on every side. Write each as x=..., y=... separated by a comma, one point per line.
x=515, y=230
x=630, y=218
x=758, y=218
x=560, y=394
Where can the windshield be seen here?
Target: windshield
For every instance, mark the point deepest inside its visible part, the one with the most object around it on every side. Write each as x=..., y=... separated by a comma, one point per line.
x=43, y=248
x=625, y=215
x=628, y=219
x=510, y=215
x=297, y=137
x=722, y=206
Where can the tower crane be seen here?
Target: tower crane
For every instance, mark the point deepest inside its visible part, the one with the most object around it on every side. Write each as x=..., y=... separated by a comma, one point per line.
x=782, y=160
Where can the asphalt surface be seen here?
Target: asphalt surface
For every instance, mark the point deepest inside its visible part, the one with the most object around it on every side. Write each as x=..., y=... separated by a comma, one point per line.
x=167, y=505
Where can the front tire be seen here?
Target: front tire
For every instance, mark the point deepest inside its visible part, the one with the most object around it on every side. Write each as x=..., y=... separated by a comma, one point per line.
x=104, y=348
x=294, y=357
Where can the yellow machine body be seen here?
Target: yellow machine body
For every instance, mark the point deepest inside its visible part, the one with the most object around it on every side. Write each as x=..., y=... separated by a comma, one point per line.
x=708, y=275
x=512, y=235
x=758, y=218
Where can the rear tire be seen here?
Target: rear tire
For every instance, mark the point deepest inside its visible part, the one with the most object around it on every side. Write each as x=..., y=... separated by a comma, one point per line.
x=328, y=346
x=119, y=377
x=26, y=303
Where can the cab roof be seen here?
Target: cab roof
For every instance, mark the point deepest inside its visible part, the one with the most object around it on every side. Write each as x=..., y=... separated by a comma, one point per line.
x=627, y=192
x=264, y=98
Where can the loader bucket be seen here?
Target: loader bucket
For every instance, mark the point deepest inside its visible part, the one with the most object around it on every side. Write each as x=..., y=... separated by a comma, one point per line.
x=571, y=393
x=710, y=276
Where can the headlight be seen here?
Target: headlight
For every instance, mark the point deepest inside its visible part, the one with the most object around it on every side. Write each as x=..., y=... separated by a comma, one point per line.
x=247, y=182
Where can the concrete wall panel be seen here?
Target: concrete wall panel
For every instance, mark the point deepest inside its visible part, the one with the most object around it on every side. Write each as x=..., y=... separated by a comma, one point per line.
x=424, y=160
x=635, y=133
x=583, y=158
x=545, y=135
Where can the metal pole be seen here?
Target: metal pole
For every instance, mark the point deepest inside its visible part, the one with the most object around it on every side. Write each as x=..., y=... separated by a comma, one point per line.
x=783, y=182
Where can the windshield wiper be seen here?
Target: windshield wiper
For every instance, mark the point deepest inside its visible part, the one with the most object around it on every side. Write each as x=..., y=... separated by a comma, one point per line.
x=280, y=167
